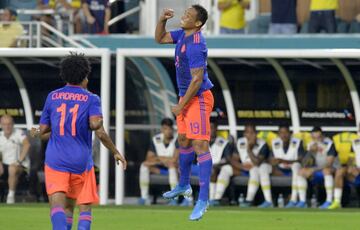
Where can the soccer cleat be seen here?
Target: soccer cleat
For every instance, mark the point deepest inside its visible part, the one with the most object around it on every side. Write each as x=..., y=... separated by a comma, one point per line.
x=325, y=205
x=185, y=191
x=245, y=204
x=186, y=202
x=301, y=204
x=199, y=210
x=143, y=201
x=266, y=204
x=10, y=200
x=214, y=203
x=291, y=204
x=335, y=205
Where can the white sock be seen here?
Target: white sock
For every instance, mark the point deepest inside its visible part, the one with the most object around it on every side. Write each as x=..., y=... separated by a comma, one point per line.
x=295, y=168
x=329, y=186
x=302, y=185
x=265, y=170
x=212, y=190
x=253, y=183
x=338, y=194
x=173, y=179
x=11, y=193
x=223, y=181
x=144, y=181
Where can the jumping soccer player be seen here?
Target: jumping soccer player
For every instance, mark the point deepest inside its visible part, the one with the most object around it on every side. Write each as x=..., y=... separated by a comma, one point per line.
x=69, y=116
x=195, y=104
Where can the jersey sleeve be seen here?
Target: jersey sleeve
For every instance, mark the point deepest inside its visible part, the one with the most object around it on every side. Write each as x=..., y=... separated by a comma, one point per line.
x=45, y=115
x=301, y=151
x=196, y=54
x=95, y=107
x=264, y=151
x=332, y=152
x=228, y=150
x=175, y=35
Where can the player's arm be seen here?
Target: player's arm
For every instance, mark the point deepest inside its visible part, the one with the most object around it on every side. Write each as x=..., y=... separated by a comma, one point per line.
x=151, y=158
x=223, y=5
x=89, y=18
x=25, y=149
x=331, y=155
x=43, y=132
x=245, y=4
x=107, y=142
x=195, y=84
x=161, y=36
x=107, y=19
x=235, y=162
x=95, y=122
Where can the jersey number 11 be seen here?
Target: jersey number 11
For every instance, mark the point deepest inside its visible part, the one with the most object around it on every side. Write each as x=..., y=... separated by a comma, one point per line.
x=74, y=110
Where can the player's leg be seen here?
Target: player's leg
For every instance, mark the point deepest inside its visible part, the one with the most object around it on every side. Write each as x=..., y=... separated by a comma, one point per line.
x=302, y=185
x=265, y=171
x=186, y=157
x=69, y=212
x=57, y=184
x=173, y=177
x=86, y=194
x=201, y=148
x=223, y=180
x=212, y=190
x=171, y=172
x=13, y=171
x=295, y=168
x=340, y=174
x=57, y=202
x=85, y=217
x=198, y=130
x=329, y=187
x=253, y=184
x=144, y=180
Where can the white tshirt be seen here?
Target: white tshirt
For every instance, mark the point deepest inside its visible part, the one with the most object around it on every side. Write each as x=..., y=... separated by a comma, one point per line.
x=10, y=148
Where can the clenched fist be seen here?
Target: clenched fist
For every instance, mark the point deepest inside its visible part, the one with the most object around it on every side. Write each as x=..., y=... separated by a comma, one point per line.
x=166, y=14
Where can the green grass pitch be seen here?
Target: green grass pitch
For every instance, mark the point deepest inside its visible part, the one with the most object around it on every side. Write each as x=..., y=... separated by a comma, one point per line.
x=36, y=216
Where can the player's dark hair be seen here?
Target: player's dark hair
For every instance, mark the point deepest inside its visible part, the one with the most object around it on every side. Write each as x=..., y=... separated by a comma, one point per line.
x=74, y=68
x=202, y=14
x=167, y=121
x=251, y=126
x=316, y=129
x=284, y=127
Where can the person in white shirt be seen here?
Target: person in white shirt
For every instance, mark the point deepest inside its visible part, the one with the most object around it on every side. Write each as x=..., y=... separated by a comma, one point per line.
x=317, y=165
x=287, y=153
x=221, y=152
x=249, y=160
x=14, y=146
x=160, y=159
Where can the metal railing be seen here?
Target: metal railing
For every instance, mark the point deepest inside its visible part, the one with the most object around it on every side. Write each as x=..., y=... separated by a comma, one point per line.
x=40, y=34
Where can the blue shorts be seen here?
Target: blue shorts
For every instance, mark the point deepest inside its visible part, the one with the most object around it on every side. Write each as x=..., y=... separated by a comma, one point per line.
x=286, y=172
x=318, y=177
x=244, y=173
x=163, y=170
x=356, y=182
x=195, y=170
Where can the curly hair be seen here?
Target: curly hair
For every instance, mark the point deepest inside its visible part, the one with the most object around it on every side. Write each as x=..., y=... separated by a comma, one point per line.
x=74, y=68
